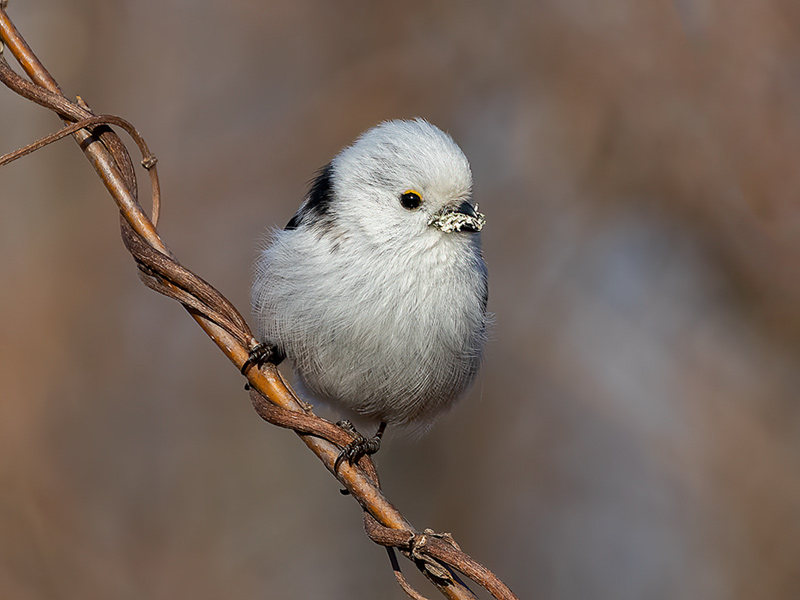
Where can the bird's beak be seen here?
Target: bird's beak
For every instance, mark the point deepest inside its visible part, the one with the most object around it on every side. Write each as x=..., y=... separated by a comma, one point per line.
x=464, y=217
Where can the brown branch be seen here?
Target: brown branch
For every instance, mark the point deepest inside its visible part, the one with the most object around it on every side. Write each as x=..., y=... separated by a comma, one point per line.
x=148, y=162
x=437, y=557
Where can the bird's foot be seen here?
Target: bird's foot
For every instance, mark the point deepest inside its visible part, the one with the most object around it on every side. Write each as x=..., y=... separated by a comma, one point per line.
x=360, y=446
x=260, y=354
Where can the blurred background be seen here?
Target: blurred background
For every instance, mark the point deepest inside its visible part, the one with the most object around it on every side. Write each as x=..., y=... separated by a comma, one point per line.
x=635, y=430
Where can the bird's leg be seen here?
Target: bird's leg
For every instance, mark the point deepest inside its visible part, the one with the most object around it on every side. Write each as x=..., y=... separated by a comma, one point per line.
x=360, y=446
x=264, y=352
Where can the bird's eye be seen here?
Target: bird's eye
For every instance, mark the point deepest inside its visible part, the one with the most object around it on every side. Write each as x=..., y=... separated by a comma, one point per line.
x=411, y=199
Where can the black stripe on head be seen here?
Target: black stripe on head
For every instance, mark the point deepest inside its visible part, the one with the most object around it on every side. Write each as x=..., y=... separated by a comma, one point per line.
x=319, y=198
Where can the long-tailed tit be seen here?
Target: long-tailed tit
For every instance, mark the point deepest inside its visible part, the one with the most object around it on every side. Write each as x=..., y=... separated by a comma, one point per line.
x=376, y=289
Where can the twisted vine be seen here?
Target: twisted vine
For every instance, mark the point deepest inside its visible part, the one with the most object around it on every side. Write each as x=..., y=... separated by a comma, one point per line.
x=437, y=556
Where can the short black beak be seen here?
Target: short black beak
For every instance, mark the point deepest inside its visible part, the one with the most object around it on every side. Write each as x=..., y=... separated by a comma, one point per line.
x=466, y=208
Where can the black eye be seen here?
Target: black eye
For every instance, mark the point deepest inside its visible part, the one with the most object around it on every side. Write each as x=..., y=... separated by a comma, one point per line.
x=410, y=199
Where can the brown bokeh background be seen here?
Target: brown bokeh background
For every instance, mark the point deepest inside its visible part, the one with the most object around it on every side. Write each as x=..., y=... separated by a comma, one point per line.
x=635, y=431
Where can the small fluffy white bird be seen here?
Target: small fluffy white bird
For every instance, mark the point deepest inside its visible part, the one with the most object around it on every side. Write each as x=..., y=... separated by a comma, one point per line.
x=377, y=288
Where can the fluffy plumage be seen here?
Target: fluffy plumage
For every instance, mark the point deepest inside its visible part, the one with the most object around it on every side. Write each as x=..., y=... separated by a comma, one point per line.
x=381, y=312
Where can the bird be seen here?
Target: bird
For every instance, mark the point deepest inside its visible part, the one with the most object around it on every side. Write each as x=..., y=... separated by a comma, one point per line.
x=376, y=289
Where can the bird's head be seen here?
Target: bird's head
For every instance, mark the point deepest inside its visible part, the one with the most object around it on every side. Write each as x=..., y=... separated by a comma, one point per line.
x=403, y=179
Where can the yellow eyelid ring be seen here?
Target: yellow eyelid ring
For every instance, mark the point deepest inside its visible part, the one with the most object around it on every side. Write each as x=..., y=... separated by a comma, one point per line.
x=411, y=199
